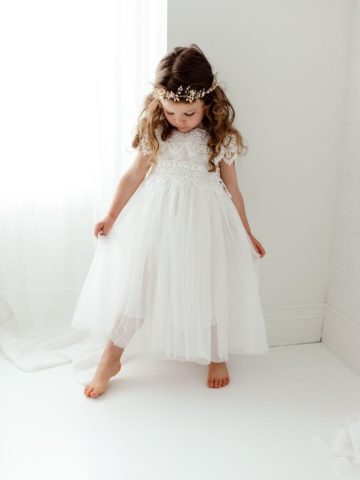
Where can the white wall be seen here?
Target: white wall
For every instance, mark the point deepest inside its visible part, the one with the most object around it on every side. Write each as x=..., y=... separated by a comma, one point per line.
x=285, y=68
x=342, y=318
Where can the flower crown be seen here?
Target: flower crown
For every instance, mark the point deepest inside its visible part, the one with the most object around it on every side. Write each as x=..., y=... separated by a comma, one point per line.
x=189, y=95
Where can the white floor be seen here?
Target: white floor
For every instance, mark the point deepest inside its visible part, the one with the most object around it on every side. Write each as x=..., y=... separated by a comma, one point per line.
x=159, y=420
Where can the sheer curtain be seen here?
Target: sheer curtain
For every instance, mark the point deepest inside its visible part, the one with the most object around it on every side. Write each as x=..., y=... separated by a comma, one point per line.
x=74, y=77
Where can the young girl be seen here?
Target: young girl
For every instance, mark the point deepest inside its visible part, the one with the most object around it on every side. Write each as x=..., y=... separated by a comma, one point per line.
x=175, y=255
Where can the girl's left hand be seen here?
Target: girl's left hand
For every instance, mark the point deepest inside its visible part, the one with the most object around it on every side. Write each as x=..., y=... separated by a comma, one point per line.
x=258, y=247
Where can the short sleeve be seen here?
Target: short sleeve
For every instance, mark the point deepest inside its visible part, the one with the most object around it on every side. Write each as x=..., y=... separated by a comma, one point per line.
x=228, y=151
x=144, y=146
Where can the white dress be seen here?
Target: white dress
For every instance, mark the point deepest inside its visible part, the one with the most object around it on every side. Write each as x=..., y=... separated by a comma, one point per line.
x=177, y=265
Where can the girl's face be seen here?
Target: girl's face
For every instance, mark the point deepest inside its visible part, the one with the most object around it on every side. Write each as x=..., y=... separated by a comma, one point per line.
x=184, y=115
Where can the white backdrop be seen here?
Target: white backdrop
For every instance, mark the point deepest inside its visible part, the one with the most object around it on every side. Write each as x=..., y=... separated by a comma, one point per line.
x=74, y=76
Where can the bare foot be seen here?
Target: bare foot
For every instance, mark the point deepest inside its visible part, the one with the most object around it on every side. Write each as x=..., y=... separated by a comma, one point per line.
x=109, y=366
x=218, y=375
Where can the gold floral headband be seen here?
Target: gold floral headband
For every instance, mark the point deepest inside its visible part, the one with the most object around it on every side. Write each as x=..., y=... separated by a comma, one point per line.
x=189, y=95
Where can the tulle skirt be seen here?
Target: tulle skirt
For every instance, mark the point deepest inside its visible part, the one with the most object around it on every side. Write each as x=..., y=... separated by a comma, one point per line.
x=179, y=273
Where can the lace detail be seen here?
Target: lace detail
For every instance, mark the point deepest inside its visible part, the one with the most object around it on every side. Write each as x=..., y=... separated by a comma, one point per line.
x=144, y=145
x=184, y=157
x=192, y=143
x=228, y=152
x=182, y=172
x=196, y=138
x=193, y=146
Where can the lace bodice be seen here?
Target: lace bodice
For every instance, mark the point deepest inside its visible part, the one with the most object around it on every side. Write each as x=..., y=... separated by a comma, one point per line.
x=183, y=157
x=192, y=147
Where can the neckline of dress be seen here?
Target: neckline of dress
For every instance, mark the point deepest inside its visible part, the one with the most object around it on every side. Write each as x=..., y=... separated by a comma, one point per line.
x=190, y=131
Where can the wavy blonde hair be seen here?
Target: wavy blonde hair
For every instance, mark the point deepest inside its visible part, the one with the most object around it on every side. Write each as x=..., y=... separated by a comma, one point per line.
x=187, y=66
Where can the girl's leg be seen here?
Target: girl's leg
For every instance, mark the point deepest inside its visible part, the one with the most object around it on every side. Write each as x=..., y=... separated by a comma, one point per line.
x=109, y=364
x=112, y=351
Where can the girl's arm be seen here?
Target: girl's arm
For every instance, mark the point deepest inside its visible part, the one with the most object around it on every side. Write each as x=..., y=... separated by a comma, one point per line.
x=228, y=175
x=129, y=182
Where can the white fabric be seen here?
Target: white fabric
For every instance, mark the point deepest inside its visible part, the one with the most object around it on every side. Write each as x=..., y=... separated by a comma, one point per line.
x=178, y=265
x=343, y=444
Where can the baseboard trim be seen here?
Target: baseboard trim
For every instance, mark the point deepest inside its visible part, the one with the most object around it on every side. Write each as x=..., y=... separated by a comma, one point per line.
x=294, y=324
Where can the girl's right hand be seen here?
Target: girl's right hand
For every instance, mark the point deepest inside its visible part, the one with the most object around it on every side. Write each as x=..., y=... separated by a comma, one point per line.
x=104, y=226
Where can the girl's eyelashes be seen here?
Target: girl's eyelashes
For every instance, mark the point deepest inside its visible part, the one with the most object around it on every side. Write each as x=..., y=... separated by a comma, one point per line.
x=186, y=114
